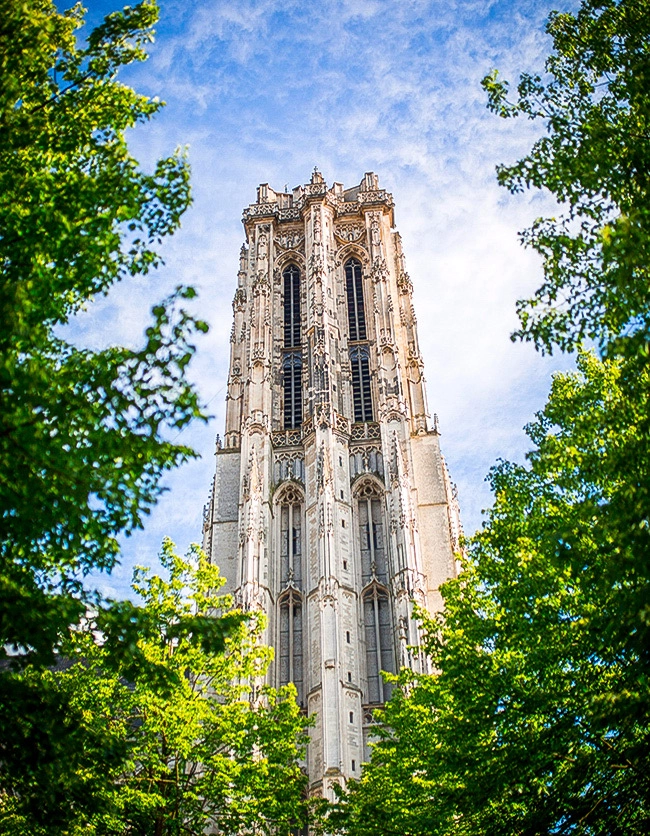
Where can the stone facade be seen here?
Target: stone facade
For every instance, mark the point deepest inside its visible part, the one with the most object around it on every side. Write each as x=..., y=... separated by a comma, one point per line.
x=331, y=507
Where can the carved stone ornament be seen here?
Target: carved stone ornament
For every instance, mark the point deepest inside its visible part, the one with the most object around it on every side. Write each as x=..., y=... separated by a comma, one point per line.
x=292, y=239
x=379, y=269
x=393, y=416
x=316, y=264
x=260, y=210
x=377, y=196
x=290, y=214
x=316, y=189
x=404, y=282
x=239, y=301
x=349, y=233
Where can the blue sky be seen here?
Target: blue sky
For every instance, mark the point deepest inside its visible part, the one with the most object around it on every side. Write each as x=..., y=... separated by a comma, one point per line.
x=264, y=90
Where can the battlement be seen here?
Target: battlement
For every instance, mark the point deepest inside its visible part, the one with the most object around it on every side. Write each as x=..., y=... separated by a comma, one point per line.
x=288, y=206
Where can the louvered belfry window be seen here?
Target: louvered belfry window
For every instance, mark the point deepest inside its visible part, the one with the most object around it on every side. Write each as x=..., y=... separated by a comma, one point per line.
x=292, y=378
x=361, y=395
x=292, y=360
x=359, y=353
x=291, y=306
x=356, y=310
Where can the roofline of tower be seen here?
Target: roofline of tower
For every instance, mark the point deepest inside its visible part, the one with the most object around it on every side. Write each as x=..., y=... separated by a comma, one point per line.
x=288, y=207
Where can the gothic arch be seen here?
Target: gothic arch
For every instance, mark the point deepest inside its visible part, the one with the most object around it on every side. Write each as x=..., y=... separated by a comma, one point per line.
x=289, y=492
x=348, y=251
x=368, y=485
x=284, y=259
x=289, y=530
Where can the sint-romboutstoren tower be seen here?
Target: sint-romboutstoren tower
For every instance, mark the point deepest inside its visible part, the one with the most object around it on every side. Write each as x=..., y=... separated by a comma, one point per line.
x=331, y=507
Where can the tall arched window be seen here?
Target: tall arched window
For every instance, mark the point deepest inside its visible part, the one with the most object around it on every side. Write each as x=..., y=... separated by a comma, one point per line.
x=379, y=642
x=291, y=277
x=361, y=395
x=354, y=290
x=291, y=543
x=371, y=539
x=292, y=383
x=290, y=655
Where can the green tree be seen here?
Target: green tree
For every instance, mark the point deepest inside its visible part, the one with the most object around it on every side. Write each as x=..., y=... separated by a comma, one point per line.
x=594, y=99
x=82, y=433
x=192, y=736
x=536, y=721
x=82, y=442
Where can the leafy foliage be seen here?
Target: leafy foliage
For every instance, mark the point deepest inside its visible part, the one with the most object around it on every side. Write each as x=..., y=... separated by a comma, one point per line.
x=82, y=447
x=595, y=101
x=187, y=736
x=537, y=721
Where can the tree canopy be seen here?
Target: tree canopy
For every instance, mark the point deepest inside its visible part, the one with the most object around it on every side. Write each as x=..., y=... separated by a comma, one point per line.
x=538, y=718
x=594, y=99
x=83, y=433
x=172, y=736
x=82, y=444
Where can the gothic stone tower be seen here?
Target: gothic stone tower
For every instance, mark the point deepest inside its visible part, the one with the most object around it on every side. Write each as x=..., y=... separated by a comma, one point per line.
x=331, y=507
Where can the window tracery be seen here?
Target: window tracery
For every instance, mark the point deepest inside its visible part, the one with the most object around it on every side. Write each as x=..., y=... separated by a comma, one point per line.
x=372, y=536
x=290, y=512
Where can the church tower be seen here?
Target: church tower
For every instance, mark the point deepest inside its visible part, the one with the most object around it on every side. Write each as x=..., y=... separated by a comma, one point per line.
x=331, y=507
